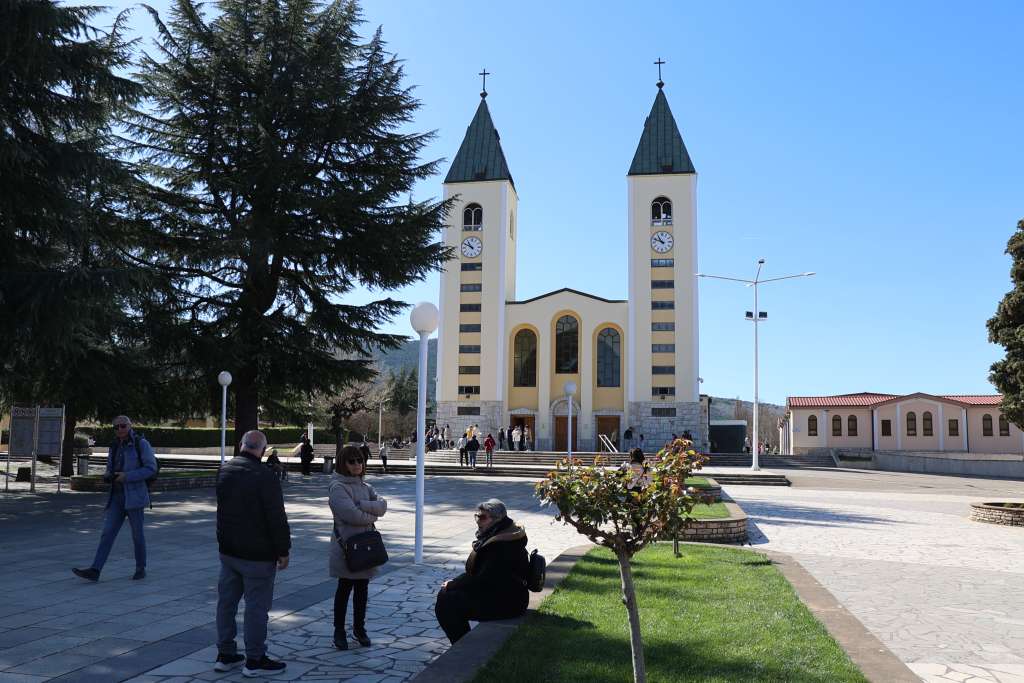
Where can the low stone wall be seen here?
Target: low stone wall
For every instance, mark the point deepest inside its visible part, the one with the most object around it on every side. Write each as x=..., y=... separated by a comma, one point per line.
x=943, y=462
x=996, y=514
x=732, y=529
x=96, y=484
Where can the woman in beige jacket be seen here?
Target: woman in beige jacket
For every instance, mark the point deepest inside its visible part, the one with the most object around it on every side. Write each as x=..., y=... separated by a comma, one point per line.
x=356, y=507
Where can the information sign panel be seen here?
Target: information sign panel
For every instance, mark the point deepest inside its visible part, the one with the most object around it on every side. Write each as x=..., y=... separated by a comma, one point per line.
x=51, y=432
x=23, y=426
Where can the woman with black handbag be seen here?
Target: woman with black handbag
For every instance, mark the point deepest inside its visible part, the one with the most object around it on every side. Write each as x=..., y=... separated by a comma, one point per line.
x=355, y=506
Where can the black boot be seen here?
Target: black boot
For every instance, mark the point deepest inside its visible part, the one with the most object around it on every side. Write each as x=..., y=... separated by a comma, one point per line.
x=360, y=635
x=340, y=641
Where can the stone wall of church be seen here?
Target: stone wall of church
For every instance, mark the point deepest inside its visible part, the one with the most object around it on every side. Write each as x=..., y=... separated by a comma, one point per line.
x=659, y=430
x=488, y=419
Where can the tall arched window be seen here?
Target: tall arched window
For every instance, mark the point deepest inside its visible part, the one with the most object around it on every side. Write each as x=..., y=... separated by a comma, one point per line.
x=837, y=425
x=609, y=356
x=661, y=211
x=911, y=424
x=851, y=425
x=812, y=425
x=524, y=359
x=926, y=423
x=567, y=345
x=1004, y=426
x=986, y=425
x=472, y=217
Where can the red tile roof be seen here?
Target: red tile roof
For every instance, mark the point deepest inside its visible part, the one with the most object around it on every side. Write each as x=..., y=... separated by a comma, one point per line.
x=867, y=398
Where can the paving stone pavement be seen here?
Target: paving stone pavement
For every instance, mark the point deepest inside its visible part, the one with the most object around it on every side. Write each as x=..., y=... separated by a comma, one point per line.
x=944, y=593
x=56, y=627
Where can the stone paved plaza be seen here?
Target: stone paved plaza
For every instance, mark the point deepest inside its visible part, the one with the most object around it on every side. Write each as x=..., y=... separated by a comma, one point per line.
x=944, y=593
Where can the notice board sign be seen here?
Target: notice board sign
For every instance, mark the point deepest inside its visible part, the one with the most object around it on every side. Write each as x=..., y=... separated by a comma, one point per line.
x=51, y=432
x=23, y=428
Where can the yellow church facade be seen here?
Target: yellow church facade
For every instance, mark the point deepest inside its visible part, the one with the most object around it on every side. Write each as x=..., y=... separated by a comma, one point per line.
x=504, y=361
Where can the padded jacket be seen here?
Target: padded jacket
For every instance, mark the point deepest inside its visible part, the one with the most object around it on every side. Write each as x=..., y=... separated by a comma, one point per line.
x=251, y=522
x=495, y=577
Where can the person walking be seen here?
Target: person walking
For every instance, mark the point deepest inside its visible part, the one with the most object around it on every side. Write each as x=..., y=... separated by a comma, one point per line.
x=364, y=448
x=462, y=449
x=501, y=438
x=130, y=462
x=527, y=442
x=517, y=436
x=489, y=450
x=384, y=455
x=446, y=436
x=355, y=507
x=494, y=583
x=306, y=454
x=254, y=541
x=472, y=446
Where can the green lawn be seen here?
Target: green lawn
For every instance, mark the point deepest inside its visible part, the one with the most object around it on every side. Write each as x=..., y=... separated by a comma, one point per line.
x=698, y=482
x=716, y=614
x=712, y=511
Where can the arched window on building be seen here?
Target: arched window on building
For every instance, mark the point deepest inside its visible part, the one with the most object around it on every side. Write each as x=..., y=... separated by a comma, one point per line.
x=472, y=217
x=812, y=425
x=851, y=425
x=567, y=345
x=609, y=355
x=661, y=211
x=986, y=425
x=926, y=423
x=837, y=425
x=1004, y=426
x=524, y=359
x=911, y=423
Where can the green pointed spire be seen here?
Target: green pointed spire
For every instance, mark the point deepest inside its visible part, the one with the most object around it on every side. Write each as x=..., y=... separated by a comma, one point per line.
x=661, y=148
x=480, y=156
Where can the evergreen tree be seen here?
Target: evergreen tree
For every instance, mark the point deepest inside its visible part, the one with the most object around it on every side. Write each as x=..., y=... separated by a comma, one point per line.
x=1006, y=328
x=70, y=301
x=276, y=139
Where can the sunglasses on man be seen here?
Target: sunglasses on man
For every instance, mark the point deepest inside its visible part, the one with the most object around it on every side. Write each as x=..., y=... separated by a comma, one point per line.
x=121, y=425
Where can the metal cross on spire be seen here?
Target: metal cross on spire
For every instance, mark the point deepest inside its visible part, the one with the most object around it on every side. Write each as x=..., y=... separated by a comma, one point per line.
x=485, y=73
x=660, y=83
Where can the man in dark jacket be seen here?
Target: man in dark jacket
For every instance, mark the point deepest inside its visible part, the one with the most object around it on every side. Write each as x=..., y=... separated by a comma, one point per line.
x=494, y=584
x=254, y=540
x=306, y=454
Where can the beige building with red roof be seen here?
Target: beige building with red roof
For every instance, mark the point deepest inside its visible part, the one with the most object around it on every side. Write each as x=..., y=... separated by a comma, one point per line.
x=887, y=422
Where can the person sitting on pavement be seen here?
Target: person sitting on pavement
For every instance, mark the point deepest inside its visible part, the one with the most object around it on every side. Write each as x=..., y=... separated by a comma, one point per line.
x=494, y=583
x=130, y=462
x=254, y=541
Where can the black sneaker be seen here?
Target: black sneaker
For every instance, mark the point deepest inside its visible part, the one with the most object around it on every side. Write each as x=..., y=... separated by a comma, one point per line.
x=228, y=662
x=139, y=574
x=89, y=574
x=263, y=667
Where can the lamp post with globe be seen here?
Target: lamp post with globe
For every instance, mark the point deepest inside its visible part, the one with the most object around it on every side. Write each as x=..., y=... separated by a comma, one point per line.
x=224, y=379
x=570, y=390
x=424, y=319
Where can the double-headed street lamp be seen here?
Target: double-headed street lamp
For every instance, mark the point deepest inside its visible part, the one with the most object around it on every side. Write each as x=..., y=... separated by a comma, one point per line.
x=424, y=319
x=756, y=316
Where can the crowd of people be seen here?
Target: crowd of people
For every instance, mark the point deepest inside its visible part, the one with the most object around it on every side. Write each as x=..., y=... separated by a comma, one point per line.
x=254, y=544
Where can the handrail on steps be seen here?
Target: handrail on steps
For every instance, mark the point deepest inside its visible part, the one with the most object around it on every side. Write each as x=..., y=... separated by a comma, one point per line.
x=606, y=443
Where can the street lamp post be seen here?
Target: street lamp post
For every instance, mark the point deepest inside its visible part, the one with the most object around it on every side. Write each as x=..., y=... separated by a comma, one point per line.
x=756, y=316
x=424, y=319
x=570, y=390
x=224, y=379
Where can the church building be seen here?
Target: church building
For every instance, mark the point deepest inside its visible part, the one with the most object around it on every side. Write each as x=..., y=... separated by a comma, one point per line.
x=634, y=362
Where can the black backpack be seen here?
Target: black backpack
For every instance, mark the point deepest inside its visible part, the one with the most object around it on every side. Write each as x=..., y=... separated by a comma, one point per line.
x=537, y=573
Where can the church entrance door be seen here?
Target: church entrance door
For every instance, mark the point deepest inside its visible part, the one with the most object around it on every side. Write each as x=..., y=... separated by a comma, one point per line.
x=609, y=426
x=562, y=432
x=522, y=421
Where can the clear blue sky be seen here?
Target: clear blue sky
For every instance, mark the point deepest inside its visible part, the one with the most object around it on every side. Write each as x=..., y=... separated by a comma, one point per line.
x=880, y=144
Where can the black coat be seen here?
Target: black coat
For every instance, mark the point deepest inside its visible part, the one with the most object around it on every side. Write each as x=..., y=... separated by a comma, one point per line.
x=496, y=572
x=251, y=522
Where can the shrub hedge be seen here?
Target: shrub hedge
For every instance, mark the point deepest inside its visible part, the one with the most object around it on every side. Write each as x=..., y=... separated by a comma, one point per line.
x=169, y=437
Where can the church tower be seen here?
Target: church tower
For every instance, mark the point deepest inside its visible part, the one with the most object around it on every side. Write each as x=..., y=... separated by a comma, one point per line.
x=663, y=393
x=478, y=281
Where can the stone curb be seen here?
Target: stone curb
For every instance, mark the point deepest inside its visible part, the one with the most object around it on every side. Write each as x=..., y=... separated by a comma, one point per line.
x=461, y=662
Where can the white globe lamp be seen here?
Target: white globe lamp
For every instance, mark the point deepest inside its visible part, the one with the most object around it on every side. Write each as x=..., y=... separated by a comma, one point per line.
x=424, y=318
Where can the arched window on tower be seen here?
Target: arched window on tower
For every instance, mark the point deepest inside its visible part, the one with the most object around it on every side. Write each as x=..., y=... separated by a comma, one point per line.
x=837, y=425
x=661, y=211
x=472, y=217
x=926, y=423
x=524, y=359
x=567, y=345
x=608, y=358
x=851, y=425
x=911, y=423
x=812, y=425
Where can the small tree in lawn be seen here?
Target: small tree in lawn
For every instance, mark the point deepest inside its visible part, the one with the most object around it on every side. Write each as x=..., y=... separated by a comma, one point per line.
x=616, y=509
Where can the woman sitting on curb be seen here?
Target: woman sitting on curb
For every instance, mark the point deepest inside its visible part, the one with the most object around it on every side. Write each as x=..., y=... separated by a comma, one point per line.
x=494, y=584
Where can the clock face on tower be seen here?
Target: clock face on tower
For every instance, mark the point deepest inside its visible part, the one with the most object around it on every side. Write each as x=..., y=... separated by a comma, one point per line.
x=472, y=246
x=661, y=242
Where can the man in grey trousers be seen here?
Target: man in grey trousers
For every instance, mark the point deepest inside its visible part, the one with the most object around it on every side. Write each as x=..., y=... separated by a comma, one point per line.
x=254, y=540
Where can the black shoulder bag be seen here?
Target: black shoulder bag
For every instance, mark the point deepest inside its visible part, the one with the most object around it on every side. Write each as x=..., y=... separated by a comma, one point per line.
x=362, y=551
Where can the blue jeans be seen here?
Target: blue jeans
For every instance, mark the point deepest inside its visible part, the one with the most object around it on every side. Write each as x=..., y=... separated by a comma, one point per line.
x=112, y=525
x=255, y=580
x=472, y=458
